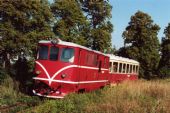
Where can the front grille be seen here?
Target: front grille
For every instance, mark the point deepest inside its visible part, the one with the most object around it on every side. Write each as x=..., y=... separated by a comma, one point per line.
x=44, y=89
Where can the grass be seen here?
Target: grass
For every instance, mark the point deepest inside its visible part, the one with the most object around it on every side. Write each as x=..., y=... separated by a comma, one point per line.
x=12, y=100
x=128, y=97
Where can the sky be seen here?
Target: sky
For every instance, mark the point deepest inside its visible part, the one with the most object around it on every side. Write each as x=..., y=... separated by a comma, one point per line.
x=122, y=10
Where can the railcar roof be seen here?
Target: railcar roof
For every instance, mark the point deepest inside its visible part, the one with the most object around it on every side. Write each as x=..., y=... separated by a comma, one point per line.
x=71, y=44
x=122, y=59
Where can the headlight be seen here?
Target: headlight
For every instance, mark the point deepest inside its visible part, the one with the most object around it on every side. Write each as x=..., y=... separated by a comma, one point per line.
x=63, y=75
x=38, y=72
x=55, y=41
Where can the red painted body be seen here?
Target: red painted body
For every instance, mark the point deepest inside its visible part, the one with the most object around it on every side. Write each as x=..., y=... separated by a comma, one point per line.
x=85, y=70
x=118, y=78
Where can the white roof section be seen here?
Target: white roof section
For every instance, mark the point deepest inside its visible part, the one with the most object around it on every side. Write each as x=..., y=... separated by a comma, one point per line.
x=122, y=59
x=71, y=44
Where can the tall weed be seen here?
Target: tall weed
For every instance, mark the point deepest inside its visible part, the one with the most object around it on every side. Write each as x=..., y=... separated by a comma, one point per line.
x=129, y=97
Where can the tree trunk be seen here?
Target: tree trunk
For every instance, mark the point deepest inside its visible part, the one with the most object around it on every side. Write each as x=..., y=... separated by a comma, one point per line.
x=6, y=61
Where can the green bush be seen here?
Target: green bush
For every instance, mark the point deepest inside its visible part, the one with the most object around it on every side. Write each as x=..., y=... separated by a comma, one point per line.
x=164, y=72
x=3, y=74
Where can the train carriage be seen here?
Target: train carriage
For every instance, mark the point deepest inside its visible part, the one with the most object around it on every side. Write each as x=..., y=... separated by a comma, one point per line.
x=121, y=69
x=64, y=67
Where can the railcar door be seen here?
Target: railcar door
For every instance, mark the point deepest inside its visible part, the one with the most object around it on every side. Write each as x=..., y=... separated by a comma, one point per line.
x=82, y=71
x=102, y=72
x=100, y=63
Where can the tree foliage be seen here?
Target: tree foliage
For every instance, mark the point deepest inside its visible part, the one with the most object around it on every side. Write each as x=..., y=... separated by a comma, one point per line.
x=22, y=24
x=71, y=24
x=85, y=22
x=141, y=43
x=164, y=65
x=98, y=13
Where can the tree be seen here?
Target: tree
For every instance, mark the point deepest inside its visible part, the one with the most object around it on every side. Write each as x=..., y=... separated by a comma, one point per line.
x=98, y=13
x=141, y=43
x=71, y=24
x=22, y=24
x=164, y=65
x=112, y=50
x=85, y=22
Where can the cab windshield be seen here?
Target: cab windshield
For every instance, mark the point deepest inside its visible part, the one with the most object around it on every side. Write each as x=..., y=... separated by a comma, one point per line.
x=43, y=53
x=44, y=50
x=52, y=53
x=67, y=55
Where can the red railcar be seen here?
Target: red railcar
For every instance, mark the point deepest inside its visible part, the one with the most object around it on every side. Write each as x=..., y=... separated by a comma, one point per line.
x=64, y=67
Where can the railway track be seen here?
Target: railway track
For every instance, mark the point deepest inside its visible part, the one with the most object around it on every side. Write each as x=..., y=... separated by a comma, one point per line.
x=6, y=109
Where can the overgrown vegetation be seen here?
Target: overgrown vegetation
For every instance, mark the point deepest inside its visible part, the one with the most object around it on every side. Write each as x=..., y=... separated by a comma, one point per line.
x=87, y=22
x=139, y=96
x=11, y=98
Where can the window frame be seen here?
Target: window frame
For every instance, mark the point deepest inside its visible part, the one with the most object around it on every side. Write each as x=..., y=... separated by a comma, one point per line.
x=72, y=57
x=120, y=67
x=111, y=67
x=56, y=54
x=47, y=54
x=115, y=67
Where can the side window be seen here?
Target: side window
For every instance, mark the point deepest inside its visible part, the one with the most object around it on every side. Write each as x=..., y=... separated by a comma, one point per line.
x=54, y=53
x=134, y=69
x=115, y=66
x=67, y=55
x=91, y=59
x=127, y=68
x=110, y=67
x=130, y=68
x=124, y=68
x=120, y=68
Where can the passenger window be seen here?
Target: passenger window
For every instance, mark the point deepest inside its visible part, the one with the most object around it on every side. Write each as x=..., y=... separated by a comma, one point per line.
x=120, y=68
x=134, y=69
x=54, y=53
x=124, y=68
x=110, y=67
x=115, y=66
x=127, y=69
x=130, y=68
x=67, y=55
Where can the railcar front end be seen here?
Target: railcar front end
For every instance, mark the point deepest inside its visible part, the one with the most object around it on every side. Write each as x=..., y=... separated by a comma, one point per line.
x=54, y=68
x=64, y=67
